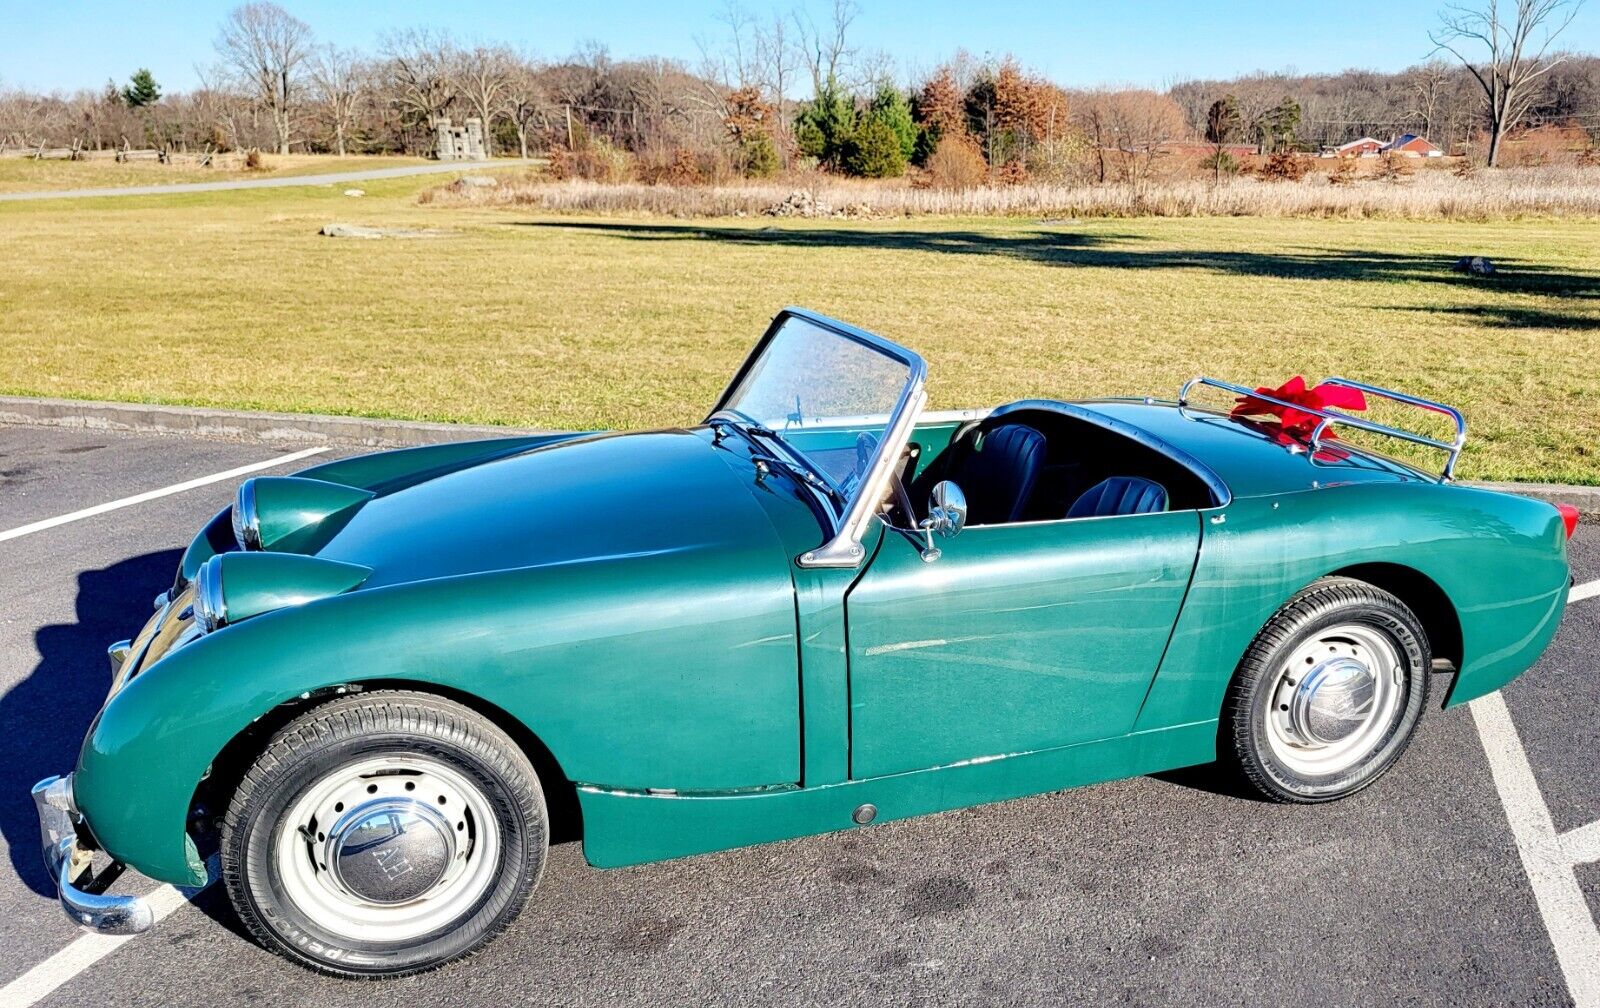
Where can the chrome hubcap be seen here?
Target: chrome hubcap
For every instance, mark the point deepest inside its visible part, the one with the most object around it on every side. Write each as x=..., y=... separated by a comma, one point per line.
x=1332, y=701
x=1335, y=699
x=388, y=849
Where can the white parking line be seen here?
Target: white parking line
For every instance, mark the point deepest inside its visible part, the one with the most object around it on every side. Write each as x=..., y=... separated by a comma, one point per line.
x=84, y=951
x=1545, y=858
x=1582, y=844
x=1584, y=591
x=98, y=509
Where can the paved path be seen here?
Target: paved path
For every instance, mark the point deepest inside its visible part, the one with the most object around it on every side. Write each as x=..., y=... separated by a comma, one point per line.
x=332, y=178
x=1151, y=891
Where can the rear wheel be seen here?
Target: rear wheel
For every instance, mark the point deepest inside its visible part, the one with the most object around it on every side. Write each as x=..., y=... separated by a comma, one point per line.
x=1329, y=693
x=384, y=833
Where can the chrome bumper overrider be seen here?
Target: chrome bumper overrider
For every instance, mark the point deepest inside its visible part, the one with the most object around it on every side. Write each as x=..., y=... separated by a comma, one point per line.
x=67, y=862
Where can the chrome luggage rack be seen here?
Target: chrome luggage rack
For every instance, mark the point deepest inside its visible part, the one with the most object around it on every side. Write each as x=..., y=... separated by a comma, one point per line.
x=1452, y=449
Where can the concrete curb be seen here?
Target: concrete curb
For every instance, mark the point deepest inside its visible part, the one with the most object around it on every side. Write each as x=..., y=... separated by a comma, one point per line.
x=236, y=425
x=1585, y=498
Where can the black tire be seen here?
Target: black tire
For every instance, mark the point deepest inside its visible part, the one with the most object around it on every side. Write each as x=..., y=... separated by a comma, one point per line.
x=1254, y=694
x=344, y=732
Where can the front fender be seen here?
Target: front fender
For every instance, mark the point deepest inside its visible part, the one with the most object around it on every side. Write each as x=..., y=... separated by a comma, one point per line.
x=670, y=670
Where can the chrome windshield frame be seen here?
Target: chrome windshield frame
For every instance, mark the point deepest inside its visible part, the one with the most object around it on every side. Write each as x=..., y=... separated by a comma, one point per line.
x=843, y=548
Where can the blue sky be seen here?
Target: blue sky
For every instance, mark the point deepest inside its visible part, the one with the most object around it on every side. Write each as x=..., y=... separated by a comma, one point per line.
x=77, y=43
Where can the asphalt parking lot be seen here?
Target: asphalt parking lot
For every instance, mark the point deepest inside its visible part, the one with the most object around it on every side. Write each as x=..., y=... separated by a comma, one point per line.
x=1150, y=891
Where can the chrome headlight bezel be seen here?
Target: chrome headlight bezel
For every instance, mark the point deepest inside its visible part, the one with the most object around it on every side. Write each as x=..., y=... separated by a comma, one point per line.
x=246, y=520
x=210, y=610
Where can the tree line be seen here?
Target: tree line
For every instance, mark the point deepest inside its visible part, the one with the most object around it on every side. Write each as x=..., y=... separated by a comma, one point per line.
x=274, y=87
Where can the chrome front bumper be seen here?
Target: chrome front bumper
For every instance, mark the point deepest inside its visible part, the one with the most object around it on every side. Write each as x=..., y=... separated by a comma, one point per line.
x=68, y=864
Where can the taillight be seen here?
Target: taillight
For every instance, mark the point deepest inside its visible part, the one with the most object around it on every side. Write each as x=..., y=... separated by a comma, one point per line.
x=1569, y=515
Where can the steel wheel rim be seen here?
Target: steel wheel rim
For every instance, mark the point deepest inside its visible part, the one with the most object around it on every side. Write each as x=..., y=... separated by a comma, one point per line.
x=323, y=829
x=1335, y=699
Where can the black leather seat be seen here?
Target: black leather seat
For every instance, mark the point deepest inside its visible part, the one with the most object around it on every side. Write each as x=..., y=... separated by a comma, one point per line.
x=998, y=474
x=1120, y=495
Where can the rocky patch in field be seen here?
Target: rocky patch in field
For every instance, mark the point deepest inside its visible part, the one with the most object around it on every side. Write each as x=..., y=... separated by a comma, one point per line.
x=362, y=231
x=801, y=203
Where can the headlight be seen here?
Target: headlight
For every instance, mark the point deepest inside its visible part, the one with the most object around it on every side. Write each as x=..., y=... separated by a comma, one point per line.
x=246, y=522
x=210, y=611
x=258, y=583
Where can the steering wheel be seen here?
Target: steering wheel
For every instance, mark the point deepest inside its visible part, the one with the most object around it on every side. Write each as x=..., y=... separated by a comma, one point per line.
x=866, y=448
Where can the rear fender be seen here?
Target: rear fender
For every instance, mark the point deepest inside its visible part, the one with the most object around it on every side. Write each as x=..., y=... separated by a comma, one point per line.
x=1499, y=559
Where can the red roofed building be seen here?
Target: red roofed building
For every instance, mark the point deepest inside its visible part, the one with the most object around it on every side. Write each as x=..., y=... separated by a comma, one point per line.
x=1365, y=147
x=1411, y=145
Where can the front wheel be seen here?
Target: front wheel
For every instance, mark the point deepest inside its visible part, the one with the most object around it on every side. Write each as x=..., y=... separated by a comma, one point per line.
x=1329, y=693
x=382, y=834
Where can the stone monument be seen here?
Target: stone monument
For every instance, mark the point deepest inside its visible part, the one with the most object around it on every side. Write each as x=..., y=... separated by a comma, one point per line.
x=458, y=143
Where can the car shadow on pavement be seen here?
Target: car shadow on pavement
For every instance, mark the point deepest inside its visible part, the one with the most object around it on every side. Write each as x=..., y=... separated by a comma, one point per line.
x=45, y=716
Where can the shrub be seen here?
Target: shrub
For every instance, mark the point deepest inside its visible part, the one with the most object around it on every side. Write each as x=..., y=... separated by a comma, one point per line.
x=758, y=156
x=874, y=150
x=1395, y=169
x=252, y=159
x=1343, y=172
x=1219, y=163
x=957, y=163
x=1284, y=166
x=596, y=160
x=1012, y=173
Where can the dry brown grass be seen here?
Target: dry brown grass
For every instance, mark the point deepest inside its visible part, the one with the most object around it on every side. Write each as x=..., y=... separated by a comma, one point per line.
x=22, y=174
x=1506, y=194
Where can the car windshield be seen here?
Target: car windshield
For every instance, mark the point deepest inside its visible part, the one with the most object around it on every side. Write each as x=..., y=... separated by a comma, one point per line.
x=827, y=395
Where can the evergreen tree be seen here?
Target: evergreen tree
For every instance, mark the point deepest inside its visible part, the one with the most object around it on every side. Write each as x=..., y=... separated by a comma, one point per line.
x=142, y=89
x=1222, y=121
x=874, y=150
x=1280, y=125
x=891, y=106
x=1222, y=126
x=825, y=124
x=760, y=155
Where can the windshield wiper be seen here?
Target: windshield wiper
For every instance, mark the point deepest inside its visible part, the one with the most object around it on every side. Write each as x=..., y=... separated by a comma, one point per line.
x=750, y=430
x=800, y=473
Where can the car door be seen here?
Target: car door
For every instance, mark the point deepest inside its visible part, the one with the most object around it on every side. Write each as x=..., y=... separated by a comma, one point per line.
x=1018, y=637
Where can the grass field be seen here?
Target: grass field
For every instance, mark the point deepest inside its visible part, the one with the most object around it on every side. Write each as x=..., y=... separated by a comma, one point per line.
x=232, y=299
x=19, y=174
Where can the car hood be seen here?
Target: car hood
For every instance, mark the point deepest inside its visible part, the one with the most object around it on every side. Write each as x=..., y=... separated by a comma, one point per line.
x=599, y=497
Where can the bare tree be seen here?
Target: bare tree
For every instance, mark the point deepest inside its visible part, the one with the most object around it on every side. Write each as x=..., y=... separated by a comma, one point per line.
x=417, y=74
x=481, y=75
x=1130, y=130
x=825, y=49
x=1428, y=84
x=338, y=85
x=522, y=101
x=1512, y=58
x=265, y=46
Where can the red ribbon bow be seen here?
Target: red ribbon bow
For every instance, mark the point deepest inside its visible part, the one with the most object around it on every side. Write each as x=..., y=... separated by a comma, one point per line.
x=1298, y=423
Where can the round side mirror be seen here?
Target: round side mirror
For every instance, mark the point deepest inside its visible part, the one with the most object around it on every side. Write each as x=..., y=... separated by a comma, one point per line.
x=947, y=509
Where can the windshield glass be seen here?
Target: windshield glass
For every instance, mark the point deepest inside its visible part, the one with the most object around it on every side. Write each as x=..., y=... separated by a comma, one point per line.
x=809, y=381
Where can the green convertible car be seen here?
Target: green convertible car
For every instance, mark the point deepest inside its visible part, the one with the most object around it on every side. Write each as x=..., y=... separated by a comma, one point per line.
x=376, y=686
